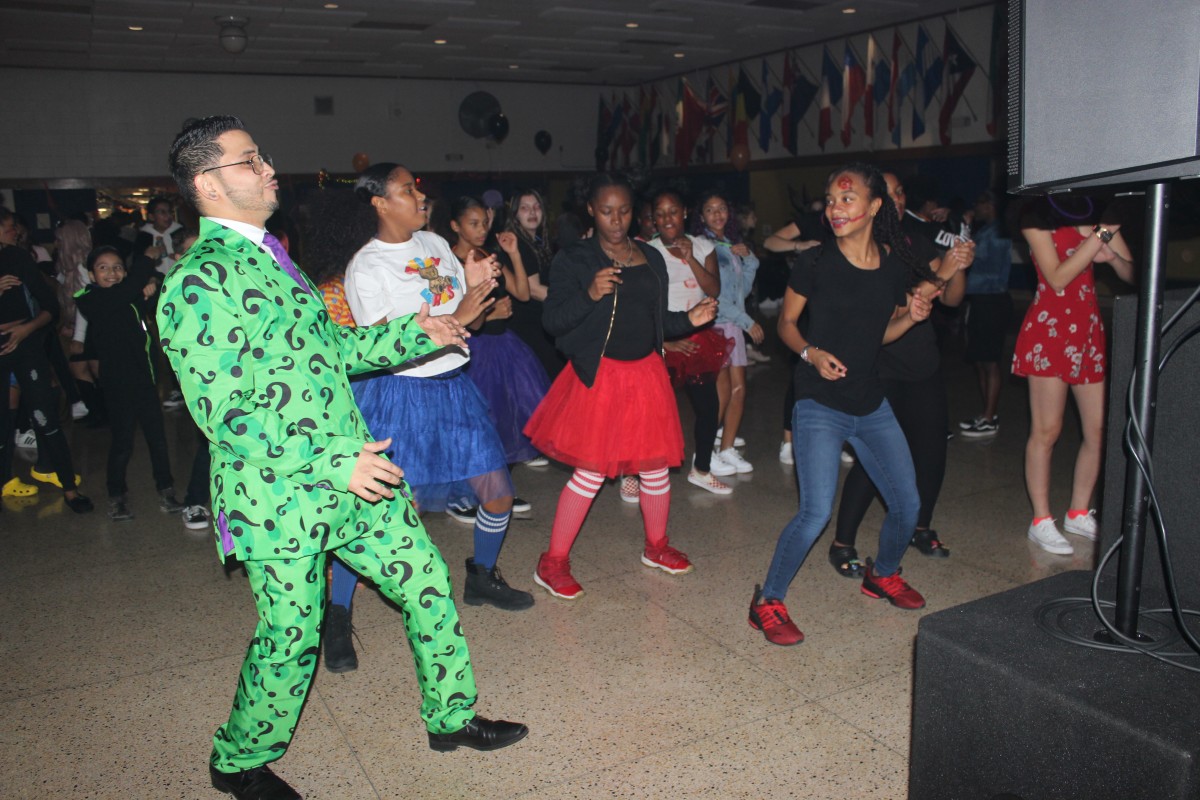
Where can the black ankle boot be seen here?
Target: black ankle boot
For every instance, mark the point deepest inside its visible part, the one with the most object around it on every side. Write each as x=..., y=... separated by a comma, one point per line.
x=339, y=649
x=488, y=586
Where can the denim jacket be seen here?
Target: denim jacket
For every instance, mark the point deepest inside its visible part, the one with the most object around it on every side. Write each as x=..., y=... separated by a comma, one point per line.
x=737, y=279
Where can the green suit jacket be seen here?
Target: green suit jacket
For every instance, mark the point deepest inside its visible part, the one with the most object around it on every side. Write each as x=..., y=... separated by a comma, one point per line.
x=265, y=375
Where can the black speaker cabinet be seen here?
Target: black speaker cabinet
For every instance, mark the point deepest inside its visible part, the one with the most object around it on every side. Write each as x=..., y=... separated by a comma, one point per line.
x=1176, y=446
x=1102, y=92
x=1001, y=709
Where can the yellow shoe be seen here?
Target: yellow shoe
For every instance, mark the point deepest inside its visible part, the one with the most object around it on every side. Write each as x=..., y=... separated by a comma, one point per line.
x=18, y=488
x=18, y=503
x=51, y=478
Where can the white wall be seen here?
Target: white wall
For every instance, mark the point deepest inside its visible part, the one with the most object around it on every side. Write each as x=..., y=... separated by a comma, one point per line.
x=88, y=125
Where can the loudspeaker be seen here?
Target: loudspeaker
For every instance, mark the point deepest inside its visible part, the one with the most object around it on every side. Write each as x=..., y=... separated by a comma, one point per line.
x=1102, y=92
x=1002, y=709
x=1176, y=446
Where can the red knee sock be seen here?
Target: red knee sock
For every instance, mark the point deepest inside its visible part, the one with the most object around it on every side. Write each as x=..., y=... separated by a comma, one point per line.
x=655, y=500
x=573, y=505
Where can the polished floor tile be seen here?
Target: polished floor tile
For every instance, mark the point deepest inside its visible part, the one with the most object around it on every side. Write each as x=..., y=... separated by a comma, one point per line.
x=122, y=642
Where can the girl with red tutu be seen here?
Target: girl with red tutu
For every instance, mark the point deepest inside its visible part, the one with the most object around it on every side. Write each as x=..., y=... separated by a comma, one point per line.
x=611, y=411
x=1061, y=350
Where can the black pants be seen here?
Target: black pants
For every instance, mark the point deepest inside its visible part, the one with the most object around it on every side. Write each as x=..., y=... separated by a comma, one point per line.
x=39, y=397
x=921, y=409
x=132, y=400
x=197, y=491
x=706, y=405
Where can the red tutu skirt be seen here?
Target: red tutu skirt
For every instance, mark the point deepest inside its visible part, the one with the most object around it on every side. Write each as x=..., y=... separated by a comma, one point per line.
x=626, y=423
x=711, y=353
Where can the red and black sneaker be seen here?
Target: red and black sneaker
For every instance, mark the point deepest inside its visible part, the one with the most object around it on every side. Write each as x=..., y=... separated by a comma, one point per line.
x=894, y=588
x=771, y=617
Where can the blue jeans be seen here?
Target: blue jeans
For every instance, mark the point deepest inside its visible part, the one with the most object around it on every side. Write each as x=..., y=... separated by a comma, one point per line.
x=818, y=433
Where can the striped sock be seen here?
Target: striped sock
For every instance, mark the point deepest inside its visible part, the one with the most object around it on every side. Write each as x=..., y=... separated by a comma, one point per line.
x=655, y=501
x=573, y=505
x=489, y=536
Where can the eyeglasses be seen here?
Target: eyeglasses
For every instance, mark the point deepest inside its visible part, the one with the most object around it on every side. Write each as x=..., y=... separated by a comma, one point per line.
x=256, y=164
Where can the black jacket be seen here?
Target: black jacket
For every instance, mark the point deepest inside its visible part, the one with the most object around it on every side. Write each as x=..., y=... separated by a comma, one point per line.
x=116, y=324
x=579, y=323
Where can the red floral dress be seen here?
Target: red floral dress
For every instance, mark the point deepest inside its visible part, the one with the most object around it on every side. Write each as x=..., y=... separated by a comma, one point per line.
x=1062, y=335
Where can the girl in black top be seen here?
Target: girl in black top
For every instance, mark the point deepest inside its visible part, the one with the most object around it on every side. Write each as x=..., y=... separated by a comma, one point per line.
x=527, y=219
x=611, y=411
x=854, y=290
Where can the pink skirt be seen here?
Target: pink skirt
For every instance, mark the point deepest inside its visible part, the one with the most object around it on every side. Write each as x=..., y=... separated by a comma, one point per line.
x=626, y=423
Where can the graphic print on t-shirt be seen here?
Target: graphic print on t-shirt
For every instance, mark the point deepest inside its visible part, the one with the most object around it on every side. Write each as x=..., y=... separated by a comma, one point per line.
x=441, y=287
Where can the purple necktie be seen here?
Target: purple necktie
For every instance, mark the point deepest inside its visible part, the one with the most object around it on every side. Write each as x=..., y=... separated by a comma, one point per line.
x=285, y=261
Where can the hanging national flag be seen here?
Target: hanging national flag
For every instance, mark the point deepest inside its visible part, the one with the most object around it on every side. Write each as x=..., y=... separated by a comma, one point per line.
x=959, y=67
x=771, y=104
x=801, y=93
x=854, y=84
x=689, y=112
x=716, y=106
x=745, y=104
x=929, y=65
x=880, y=74
x=831, y=94
x=906, y=81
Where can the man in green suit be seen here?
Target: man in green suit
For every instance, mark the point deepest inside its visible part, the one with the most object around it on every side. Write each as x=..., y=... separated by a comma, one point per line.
x=295, y=475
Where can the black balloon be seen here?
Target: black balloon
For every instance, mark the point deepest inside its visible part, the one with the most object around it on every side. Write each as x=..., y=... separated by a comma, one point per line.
x=498, y=127
x=542, y=141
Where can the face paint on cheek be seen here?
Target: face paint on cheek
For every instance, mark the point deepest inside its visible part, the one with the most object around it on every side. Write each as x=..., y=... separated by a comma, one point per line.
x=856, y=219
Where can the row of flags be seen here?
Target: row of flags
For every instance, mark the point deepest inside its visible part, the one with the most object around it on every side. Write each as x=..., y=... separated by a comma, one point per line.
x=865, y=95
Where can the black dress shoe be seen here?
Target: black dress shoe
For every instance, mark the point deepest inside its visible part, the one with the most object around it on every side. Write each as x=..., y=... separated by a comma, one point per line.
x=252, y=784
x=480, y=734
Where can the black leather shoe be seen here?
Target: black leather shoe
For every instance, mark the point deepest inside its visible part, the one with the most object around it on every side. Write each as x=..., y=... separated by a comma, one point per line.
x=480, y=734
x=252, y=784
x=339, y=647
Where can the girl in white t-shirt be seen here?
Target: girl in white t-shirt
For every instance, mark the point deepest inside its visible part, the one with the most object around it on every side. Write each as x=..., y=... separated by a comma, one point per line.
x=442, y=436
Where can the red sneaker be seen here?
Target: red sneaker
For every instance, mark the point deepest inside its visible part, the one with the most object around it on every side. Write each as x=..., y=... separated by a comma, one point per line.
x=666, y=558
x=771, y=617
x=893, y=587
x=554, y=575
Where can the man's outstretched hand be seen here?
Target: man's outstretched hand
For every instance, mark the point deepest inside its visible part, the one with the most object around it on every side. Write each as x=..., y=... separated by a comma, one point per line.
x=444, y=330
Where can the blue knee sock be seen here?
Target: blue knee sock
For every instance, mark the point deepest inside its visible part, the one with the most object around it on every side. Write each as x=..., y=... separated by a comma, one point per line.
x=341, y=588
x=489, y=536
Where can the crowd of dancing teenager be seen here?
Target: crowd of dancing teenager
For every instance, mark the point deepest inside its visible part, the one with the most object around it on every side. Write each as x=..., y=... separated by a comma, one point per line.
x=650, y=300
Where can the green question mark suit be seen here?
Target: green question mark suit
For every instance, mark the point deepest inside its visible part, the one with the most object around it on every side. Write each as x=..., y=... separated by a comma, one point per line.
x=265, y=373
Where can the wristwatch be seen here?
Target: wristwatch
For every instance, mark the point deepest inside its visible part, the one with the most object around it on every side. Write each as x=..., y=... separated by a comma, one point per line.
x=804, y=353
x=1104, y=233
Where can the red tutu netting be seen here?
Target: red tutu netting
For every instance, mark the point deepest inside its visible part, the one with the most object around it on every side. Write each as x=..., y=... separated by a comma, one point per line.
x=626, y=423
x=711, y=353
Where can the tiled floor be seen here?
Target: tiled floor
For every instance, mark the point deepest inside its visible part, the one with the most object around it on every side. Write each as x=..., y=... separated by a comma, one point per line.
x=122, y=642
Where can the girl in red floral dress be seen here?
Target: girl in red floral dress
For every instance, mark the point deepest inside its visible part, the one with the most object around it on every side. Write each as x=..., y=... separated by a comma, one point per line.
x=1061, y=350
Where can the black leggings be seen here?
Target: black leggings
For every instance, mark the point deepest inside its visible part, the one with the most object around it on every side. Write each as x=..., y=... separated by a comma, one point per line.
x=39, y=397
x=706, y=405
x=921, y=409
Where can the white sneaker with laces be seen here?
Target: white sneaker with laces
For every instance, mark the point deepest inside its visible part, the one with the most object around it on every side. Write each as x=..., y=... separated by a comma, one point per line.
x=1046, y=536
x=708, y=482
x=847, y=458
x=1084, y=525
x=27, y=440
x=718, y=466
x=786, y=456
x=734, y=458
x=79, y=410
x=196, y=518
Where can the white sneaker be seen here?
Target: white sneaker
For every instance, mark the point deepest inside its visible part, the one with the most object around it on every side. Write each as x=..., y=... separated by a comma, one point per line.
x=79, y=410
x=708, y=482
x=718, y=466
x=740, y=464
x=786, y=456
x=1084, y=526
x=28, y=439
x=196, y=518
x=737, y=440
x=847, y=458
x=1046, y=536
x=756, y=356
x=539, y=461
x=631, y=489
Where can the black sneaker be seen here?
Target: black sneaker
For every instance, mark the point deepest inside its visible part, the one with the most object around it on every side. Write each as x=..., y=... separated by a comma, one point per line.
x=927, y=543
x=981, y=428
x=488, y=586
x=118, y=511
x=336, y=639
x=168, y=502
x=79, y=504
x=463, y=514
x=521, y=506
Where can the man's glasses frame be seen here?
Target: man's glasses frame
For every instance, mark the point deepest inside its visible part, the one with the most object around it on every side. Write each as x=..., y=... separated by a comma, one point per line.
x=256, y=164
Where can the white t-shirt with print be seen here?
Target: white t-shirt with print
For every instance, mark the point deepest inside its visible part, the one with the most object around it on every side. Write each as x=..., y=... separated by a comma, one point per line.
x=683, y=290
x=392, y=280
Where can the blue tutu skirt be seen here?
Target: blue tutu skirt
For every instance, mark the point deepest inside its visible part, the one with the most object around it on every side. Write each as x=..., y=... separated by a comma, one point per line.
x=513, y=382
x=442, y=437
